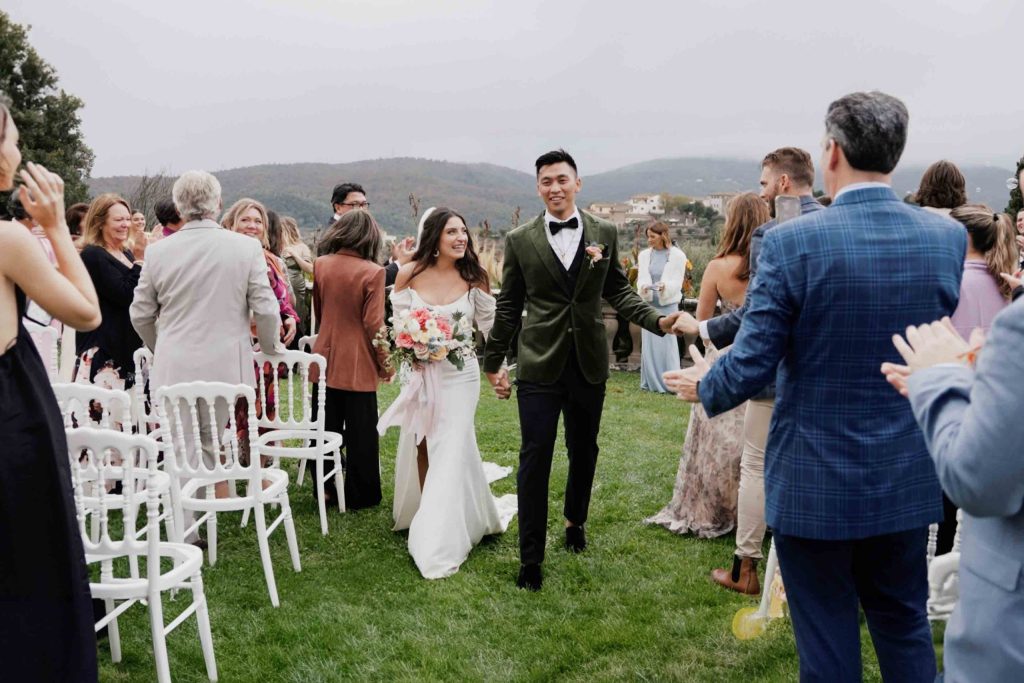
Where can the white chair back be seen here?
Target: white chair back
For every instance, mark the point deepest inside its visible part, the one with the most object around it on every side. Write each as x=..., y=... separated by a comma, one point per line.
x=45, y=338
x=294, y=410
x=194, y=415
x=77, y=400
x=103, y=455
x=306, y=343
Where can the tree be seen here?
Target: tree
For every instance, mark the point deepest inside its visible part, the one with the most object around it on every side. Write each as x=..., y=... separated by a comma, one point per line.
x=150, y=190
x=47, y=118
x=1016, y=199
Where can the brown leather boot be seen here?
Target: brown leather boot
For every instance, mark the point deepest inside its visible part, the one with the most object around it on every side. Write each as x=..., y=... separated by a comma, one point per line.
x=742, y=578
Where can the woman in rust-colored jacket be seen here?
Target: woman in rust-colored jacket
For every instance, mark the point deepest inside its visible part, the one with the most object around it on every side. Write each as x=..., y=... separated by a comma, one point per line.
x=348, y=297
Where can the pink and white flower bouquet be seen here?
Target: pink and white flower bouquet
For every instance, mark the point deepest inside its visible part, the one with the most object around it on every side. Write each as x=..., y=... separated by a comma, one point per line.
x=419, y=335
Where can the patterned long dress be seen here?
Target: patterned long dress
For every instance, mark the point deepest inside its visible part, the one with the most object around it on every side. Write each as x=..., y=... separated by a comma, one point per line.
x=708, y=479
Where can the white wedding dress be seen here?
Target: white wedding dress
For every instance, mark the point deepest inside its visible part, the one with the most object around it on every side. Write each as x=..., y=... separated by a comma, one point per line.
x=456, y=507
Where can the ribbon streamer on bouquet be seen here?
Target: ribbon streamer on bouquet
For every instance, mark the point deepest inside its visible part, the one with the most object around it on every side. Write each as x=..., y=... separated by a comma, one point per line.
x=415, y=409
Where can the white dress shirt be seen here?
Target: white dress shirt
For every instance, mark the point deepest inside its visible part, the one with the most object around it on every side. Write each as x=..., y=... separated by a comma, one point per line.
x=566, y=242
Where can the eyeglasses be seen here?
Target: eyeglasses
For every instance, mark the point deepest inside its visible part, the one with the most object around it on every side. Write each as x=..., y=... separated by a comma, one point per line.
x=357, y=205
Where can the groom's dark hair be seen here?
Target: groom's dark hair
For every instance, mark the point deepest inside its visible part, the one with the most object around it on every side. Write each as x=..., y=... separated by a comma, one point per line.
x=556, y=157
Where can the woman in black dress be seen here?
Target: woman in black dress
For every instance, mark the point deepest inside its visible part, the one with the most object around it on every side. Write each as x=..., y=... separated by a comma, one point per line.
x=114, y=269
x=46, y=618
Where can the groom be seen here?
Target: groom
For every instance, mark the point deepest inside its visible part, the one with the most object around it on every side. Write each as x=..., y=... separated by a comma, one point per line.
x=558, y=267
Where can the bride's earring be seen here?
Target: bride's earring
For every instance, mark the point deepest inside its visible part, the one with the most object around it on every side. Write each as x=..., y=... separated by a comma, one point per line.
x=437, y=252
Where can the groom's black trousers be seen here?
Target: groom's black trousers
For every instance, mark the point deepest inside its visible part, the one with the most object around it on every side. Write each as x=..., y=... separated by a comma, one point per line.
x=540, y=405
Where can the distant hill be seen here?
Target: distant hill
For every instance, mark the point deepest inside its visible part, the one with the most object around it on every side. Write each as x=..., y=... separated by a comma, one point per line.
x=487, y=191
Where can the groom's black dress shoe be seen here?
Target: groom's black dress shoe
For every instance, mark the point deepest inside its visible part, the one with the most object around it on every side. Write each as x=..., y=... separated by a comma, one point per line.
x=530, y=577
x=575, y=539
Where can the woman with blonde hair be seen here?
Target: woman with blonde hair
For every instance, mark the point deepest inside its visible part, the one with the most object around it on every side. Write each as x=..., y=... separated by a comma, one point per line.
x=249, y=217
x=298, y=262
x=114, y=269
x=707, y=481
x=661, y=269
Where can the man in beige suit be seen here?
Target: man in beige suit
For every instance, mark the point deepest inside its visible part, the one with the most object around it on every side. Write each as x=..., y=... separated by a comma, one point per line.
x=193, y=301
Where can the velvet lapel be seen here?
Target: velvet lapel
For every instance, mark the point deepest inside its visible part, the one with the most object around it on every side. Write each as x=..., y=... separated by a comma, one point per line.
x=539, y=238
x=590, y=236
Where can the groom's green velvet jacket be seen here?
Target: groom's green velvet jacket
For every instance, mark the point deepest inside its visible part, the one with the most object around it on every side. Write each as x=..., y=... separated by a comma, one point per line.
x=556, y=318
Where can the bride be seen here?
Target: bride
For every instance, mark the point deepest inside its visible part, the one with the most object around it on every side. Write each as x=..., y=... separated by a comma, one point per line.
x=442, y=491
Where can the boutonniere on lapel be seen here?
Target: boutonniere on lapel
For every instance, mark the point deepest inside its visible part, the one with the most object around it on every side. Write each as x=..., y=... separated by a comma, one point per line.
x=595, y=252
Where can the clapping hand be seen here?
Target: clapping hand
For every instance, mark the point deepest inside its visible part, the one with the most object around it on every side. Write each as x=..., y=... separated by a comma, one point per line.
x=1015, y=280
x=929, y=345
x=684, y=382
x=404, y=250
x=42, y=195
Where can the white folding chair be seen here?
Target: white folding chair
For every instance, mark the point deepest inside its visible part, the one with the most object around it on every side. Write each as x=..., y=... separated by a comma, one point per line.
x=943, y=574
x=78, y=403
x=45, y=338
x=193, y=416
x=98, y=455
x=90, y=405
x=297, y=423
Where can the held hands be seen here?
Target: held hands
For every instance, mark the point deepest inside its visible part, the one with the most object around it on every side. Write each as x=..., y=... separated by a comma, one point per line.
x=929, y=345
x=42, y=195
x=667, y=323
x=502, y=386
x=686, y=324
x=684, y=382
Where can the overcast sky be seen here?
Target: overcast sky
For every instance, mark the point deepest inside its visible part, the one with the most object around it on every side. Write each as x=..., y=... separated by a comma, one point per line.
x=220, y=84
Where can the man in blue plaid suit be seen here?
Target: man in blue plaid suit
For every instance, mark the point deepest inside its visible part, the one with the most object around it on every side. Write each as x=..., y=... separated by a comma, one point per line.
x=850, y=489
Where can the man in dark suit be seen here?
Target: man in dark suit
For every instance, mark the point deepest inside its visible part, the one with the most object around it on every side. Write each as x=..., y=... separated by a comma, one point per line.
x=787, y=171
x=348, y=196
x=849, y=486
x=558, y=268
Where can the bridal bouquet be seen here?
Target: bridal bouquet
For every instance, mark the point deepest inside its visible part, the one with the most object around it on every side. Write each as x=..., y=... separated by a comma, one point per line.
x=419, y=336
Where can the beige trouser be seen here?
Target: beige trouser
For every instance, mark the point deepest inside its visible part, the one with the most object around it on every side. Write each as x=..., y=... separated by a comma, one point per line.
x=750, y=523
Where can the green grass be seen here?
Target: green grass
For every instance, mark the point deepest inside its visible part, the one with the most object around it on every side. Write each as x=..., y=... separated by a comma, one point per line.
x=637, y=605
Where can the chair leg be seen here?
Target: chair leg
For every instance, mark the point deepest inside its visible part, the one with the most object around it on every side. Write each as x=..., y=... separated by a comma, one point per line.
x=203, y=625
x=268, y=566
x=245, y=512
x=339, y=480
x=289, y=530
x=320, y=493
x=113, y=633
x=156, y=626
x=211, y=538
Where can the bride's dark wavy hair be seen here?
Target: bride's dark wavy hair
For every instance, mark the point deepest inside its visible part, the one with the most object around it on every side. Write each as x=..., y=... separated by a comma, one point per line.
x=468, y=266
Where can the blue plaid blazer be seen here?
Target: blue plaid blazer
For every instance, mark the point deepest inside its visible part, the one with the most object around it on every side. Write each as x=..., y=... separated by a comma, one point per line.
x=845, y=458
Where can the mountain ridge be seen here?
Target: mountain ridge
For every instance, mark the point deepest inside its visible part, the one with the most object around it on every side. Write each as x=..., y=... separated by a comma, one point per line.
x=484, y=191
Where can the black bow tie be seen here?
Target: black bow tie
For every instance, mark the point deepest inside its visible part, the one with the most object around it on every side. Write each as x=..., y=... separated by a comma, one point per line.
x=555, y=226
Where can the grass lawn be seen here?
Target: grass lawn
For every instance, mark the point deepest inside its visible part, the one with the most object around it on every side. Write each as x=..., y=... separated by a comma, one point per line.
x=637, y=605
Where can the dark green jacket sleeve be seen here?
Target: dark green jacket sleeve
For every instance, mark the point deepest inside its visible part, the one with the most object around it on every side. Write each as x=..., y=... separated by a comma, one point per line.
x=508, y=315
x=619, y=293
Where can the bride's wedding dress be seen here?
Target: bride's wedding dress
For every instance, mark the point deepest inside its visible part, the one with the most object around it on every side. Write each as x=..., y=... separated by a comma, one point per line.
x=456, y=507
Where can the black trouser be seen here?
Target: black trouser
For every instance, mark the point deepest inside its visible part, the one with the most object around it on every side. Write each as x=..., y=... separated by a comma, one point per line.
x=539, y=407
x=353, y=414
x=947, y=529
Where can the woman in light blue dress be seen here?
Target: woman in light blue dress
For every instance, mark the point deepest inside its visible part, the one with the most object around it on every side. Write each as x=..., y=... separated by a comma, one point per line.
x=660, y=272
